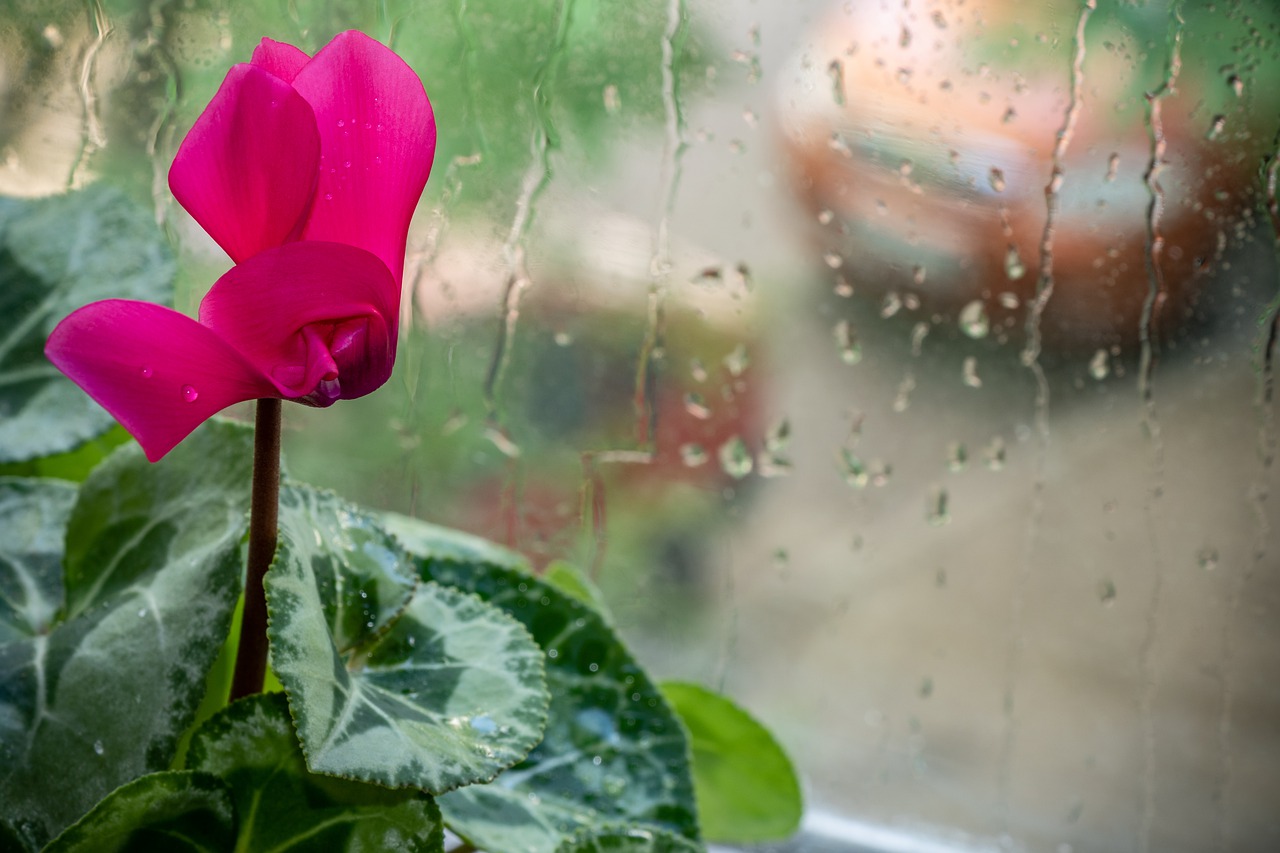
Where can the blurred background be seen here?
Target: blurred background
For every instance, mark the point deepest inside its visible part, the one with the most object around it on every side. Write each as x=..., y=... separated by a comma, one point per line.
x=902, y=368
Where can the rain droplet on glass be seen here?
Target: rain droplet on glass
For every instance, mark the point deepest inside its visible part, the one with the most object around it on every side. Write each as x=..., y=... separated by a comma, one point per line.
x=969, y=372
x=835, y=70
x=1013, y=266
x=938, y=512
x=1100, y=365
x=994, y=454
x=692, y=455
x=735, y=458
x=974, y=321
x=847, y=342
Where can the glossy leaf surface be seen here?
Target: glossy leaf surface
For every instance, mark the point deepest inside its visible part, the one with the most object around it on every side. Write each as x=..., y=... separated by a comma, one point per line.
x=281, y=805
x=392, y=680
x=614, y=752
x=152, y=571
x=58, y=254
x=173, y=811
x=747, y=789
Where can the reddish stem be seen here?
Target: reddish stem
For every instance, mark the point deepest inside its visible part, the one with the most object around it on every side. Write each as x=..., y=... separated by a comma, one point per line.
x=264, y=510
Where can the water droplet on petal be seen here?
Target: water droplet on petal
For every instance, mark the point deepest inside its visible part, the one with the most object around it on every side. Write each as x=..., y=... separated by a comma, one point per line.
x=341, y=123
x=190, y=394
x=147, y=373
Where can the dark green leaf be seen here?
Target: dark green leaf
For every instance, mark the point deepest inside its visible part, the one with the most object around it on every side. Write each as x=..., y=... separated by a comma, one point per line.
x=57, y=254
x=173, y=811
x=614, y=751
x=152, y=573
x=33, y=518
x=747, y=789
x=391, y=680
x=627, y=840
x=252, y=747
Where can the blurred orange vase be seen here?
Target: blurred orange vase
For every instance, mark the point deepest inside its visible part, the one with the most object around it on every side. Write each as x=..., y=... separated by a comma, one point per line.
x=925, y=138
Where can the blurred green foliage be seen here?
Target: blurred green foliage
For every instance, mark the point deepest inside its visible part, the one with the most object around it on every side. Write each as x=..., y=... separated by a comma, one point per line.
x=489, y=66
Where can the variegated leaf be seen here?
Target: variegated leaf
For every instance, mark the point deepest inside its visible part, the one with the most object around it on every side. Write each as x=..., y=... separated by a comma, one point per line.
x=251, y=746
x=57, y=254
x=614, y=751
x=392, y=680
x=33, y=518
x=152, y=571
x=172, y=811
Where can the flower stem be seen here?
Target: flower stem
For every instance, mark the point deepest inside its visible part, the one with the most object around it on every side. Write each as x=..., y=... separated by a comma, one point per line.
x=264, y=510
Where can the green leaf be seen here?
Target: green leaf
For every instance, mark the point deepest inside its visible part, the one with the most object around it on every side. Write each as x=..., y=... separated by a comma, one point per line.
x=747, y=789
x=170, y=811
x=252, y=747
x=390, y=680
x=152, y=571
x=58, y=254
x=627, y=840
x=568, y=579
x=614, y=751
x=33, y=516
x=421, y=537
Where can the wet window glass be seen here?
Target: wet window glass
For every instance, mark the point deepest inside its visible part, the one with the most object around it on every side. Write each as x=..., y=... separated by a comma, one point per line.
x=902, y=368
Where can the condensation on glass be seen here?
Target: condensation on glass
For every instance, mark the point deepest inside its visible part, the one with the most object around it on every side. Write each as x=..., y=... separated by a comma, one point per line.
x=902, y=368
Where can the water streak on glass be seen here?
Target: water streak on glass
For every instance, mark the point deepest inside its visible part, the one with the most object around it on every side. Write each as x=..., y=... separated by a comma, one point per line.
x=468, y=66
x=1031, y=358
x=537, y=177
x=158, y=135
x=93, y=137
x=1156, y=295
x=660, y=264
x=1260, y=494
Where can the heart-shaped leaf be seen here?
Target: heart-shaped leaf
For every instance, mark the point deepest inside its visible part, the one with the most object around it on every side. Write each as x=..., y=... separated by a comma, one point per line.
x=392, y=680
x=252, y=748
x=57, y=254
x=747, y=789
x=152, y=572
x=614, y=751
x=172, y=811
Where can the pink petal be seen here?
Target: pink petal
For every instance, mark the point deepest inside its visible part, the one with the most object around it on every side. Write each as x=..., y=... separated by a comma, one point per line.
x=247, y=170
x=377, y=138
x=318, y=318
x=158, y=372
x=282, y=60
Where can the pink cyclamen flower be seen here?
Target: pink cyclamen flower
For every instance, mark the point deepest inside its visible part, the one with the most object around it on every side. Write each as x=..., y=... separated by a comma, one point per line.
x=306, y=170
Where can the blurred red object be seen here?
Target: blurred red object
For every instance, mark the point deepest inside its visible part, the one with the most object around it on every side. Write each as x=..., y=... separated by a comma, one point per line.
x=923, y=139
